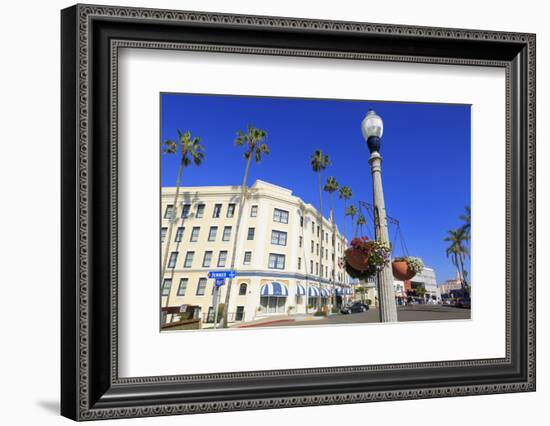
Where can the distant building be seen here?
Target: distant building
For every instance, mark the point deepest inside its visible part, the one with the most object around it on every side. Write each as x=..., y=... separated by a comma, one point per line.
x=451, y=288
x=425, y=279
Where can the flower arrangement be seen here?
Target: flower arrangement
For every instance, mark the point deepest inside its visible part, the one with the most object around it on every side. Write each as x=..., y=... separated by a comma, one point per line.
x=366, y=257
x=415, y=264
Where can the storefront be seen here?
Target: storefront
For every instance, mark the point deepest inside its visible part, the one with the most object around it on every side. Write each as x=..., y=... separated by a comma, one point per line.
x=273, y=298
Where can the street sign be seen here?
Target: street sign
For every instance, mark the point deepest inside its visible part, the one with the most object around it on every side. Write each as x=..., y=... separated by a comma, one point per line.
x=221, y=274
x=219, y=282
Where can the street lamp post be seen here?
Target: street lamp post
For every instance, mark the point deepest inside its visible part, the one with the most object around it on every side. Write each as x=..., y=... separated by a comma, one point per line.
x=372, y=128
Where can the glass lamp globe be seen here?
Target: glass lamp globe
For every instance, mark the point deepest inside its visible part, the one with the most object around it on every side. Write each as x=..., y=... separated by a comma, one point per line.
x=372, y=125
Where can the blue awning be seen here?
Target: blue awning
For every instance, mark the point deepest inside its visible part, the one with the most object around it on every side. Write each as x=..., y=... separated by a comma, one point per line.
x=325, y=292
x=313, y=291
x=274, y=289
x=300, y=290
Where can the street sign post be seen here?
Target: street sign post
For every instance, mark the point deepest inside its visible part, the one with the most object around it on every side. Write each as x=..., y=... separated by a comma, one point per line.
x=219, y=277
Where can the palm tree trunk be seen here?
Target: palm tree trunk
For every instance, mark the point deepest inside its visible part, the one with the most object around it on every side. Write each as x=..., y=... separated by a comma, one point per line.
x=225, y=319
x=171, y=227
x=345, y=208
x=321, y=233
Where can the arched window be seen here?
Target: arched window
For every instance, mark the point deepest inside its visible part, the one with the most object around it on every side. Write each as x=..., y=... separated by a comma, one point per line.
x=242, y=289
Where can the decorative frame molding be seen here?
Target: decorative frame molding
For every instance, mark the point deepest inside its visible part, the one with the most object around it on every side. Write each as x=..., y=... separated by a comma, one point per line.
x=91, y=37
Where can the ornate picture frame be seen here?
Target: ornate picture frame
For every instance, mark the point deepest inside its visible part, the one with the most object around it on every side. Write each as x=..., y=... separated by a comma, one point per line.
x=91, y=37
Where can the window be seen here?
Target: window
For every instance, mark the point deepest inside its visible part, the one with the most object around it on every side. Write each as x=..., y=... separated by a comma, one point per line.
x=239, y=315
x=253, y=211
x=318, y=229
x=169, y=211
x=226, y=233
x=300, y=242
x=278, y=238
x=280, y=216
x=163, y=234
x=179, y=234
x=250, y=235
x=299, y=263
x=188, y=259
x=166, y=285
x=247, y=257
x=172, y=260
x=326, y=271
x=201, y=287
x=207, y=259
x=312, y=227
x=212, y=233
x=316, y=268
x=200, y=211
x=195, y=234
x=185, y=211
x=210, y=315
x=222, y=258
x=312, y=246
x=326, y=237
x=217, y=210
x=326, y=254
x=242, y=289
x=317, y=249
x=230, y=210
x=276, y=261
x=311, y=266
x=301, y=221
x=183, y=286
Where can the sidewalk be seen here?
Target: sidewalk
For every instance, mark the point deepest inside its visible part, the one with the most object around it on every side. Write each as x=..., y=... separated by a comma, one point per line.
x=276, y=319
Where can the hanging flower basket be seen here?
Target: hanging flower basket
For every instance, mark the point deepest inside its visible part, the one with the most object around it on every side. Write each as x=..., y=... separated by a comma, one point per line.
x=366, y=257
x=405, y=268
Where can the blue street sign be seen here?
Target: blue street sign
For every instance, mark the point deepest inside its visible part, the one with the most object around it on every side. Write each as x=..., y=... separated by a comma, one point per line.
x=219, y=282
x=221, y=274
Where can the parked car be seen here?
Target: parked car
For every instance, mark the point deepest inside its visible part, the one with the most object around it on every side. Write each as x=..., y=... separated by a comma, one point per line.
x=463, y=303
x=355, y=307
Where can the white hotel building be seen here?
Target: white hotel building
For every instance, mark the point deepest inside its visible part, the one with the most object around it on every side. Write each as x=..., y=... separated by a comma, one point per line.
x=278, y=254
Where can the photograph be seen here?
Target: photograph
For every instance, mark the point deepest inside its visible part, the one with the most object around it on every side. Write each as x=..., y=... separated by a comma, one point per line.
x=280, y=212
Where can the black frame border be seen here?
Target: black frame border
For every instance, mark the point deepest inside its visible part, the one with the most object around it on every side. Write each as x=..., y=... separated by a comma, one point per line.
x=91, y=35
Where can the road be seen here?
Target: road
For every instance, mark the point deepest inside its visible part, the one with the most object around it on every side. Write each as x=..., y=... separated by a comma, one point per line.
x=404, y=313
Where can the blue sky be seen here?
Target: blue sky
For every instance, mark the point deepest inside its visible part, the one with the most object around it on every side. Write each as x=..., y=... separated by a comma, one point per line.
x=425, y=150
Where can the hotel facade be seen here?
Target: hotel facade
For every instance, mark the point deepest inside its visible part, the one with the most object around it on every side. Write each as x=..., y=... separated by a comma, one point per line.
x=278, y=258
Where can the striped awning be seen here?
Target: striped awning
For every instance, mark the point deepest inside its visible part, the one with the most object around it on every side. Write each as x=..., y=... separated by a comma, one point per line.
x=313, y=291
x=274, y=289
x=300, y=290
x=325, y=292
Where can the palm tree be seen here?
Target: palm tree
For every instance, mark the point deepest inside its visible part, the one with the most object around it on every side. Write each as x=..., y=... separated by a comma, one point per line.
x=345, y=193
x=466, y=218
x=191, y=151
x=352, y=212
x=457, y=251
x=360, y=222
x=254, y=148
x=319, y=162
x=332, y=186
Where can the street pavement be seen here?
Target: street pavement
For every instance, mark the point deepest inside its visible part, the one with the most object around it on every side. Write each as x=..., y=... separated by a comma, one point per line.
x=404, y=313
